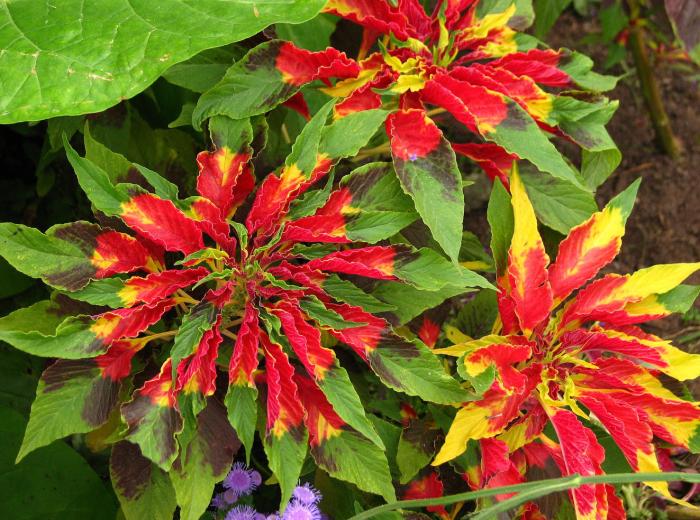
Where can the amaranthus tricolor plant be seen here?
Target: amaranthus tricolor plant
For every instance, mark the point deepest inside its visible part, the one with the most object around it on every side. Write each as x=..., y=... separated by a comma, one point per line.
x=466, y=60
x=192, y=292
x=567, y=359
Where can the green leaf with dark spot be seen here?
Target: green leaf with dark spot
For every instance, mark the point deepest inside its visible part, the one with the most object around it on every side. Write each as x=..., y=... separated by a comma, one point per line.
x=72, y=397
x=285, y=457
x=143, y=489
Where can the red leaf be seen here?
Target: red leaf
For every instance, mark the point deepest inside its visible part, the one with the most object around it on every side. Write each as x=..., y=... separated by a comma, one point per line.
x=299, y=66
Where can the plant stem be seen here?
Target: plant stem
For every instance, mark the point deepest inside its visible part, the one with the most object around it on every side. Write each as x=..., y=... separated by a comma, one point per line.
x=228, y=334
x=160, y=335
x=650, y=87
x=367, y=152
x=527, y=491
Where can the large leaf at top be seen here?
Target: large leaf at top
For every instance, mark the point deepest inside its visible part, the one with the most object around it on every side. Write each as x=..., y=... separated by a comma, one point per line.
x=87, y=56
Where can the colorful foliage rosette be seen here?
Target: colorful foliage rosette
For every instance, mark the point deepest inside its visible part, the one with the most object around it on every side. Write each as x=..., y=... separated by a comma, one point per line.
x=465, y=68
x=560, y=362
x=171, y=304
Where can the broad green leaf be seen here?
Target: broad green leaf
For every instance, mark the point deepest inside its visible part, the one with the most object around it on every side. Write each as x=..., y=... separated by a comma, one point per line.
x=345, y=291
x=579, y=68
x=679, y=299
x=316, y=310
x=250, y=87
x=435, y=185
x=307, y=146
x=55, y=483
x=477, y=316
x=41, y=330
x=55, y=257
x=349, y=456
x=101, y=292
x=427, y=270
x=87, y=56
x=314, y=35
x=143, y=489
x=408, y=302
x=72, y=397
x=410, y=367
x=558, y=204
x=501, y=222
x=596, y=167
x=204, y=462
x=345, y=137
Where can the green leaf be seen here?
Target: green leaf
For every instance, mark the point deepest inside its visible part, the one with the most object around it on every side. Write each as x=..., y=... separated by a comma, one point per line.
x=306, y=147
x=195, y=324
x=408, y=302
x=558, y=204
x=679, y=299
x=54, y=257
x=596, y=167
x=314, y=35
x=380, y=208
x=87, y=56
x=349, y=456
x=435, y=185
x=416, y=448
x=285, y=457
x=345, y=291
x=43, y=331
x=501, y=222
x=53, y=484
x=411, y=367
x=427, y=270
x=101, y=292
x=204, y=462
x=477, y=316
x=250, y=87
x=143, y=489
x=345, y=137
x=579, y=68
x=204, y=70
x=242, y=407
x=72, y=397
x=546, y=14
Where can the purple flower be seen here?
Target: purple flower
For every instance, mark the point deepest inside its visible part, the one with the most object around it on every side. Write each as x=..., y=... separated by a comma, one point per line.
x=230, y=496
x=307, y=494
x=219, y=501
x=297, y=510
x=242, y=513
x=241, y=480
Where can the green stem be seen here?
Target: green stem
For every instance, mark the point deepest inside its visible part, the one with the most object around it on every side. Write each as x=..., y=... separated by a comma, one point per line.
x=650, y=87
x=528, y=491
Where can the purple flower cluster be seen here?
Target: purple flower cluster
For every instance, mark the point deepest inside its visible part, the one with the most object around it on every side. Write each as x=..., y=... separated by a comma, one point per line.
x=242, y=481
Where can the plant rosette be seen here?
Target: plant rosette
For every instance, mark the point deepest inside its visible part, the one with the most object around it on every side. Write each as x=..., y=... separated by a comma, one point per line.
x=152, y=307
x=559, y=361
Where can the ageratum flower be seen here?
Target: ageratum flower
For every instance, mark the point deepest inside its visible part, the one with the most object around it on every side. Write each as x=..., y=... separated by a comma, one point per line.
x=571, y=359
x=184, y=287
x=466, y=59
x=241, y=480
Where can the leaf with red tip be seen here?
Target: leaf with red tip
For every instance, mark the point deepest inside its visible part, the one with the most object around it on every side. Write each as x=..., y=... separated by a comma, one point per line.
x=145, y=290
x=378, y=16
x=494, y=160
x=427, y=169
x=423, y=268
x=498, y=119
x=115, y=364
x=225, y=177
x=285, y=440
x=68, y=256
x=42, y=330
x=267, y=76
x=628, y=299
x=591, y=245
x=153, y=420
x=196, y=374
x=428, y=486
x=162, y=222
x=527, y=262
x=579, y=453
x=368, y=206
x=338, y=448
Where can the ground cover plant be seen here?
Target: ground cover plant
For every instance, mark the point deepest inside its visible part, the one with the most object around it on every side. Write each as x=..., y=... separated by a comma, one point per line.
x=250, y=276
